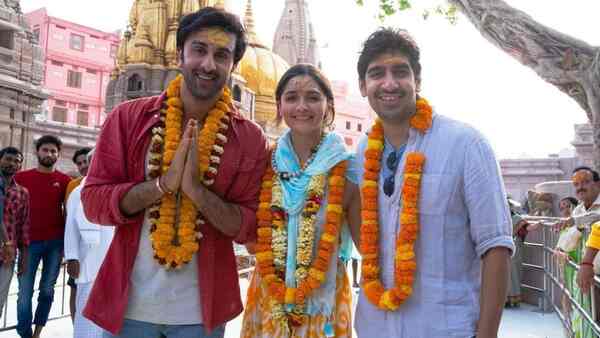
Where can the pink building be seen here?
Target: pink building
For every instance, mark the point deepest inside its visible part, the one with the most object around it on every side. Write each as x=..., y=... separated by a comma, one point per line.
x=78, y=63
x=353, y=115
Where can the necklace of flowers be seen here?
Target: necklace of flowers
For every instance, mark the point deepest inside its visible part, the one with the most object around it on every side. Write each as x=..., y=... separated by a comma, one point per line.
x=175, y=234
x=405, y=259
x=289, y=303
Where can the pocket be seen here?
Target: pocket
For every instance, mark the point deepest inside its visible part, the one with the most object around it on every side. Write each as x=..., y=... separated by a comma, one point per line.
x=435, y=193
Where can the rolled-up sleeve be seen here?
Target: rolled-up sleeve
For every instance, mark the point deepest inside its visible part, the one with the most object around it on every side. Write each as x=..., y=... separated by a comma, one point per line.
x=108, y=179
x=490, y=224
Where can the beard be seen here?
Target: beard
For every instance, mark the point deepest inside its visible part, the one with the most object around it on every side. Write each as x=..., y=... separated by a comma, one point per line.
x=200, y=92
x=47, y=161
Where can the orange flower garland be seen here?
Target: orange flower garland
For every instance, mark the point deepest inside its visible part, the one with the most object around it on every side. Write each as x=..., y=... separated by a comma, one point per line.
x=173, y=245
x=405, y=258
x=268, y=223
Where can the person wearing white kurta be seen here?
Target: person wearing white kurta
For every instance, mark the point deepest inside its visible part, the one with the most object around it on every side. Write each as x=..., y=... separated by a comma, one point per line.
x=87, y=243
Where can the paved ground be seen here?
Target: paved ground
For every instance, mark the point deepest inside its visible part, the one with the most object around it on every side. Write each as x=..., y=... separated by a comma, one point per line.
x=524, y=322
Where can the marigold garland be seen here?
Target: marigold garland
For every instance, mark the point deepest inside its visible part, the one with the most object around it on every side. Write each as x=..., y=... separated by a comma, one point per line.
x=174, y=245
x=272, y=242
x=405, y=258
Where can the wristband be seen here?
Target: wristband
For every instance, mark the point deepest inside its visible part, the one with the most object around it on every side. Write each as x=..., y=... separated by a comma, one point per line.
x=587, y=263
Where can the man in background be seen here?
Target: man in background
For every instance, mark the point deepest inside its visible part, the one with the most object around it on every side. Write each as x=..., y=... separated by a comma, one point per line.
x=86, y=245
x=46, y=187
x=14, y=220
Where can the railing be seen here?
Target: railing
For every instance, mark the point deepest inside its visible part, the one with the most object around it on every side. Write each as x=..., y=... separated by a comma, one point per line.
x=62, y=289
x=553, y=279
x=11, y=301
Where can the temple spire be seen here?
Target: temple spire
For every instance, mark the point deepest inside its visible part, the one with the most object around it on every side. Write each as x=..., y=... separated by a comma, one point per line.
x=249, y=24
x=295, y=37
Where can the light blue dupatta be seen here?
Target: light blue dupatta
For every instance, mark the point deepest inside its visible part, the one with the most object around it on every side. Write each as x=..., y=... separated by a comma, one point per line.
x=294, y=191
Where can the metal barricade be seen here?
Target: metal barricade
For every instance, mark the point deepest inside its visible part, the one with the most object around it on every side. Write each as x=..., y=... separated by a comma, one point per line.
x=554, y=278
x=244, y=271
x=11, y=301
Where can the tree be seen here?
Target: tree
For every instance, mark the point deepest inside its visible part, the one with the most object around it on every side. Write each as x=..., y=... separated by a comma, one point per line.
x=571, y=65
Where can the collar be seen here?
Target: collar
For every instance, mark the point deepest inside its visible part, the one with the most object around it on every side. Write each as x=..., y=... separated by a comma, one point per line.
x=595, y=204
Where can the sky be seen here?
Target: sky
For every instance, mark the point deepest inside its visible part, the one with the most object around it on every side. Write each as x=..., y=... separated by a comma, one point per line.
x=464, y=76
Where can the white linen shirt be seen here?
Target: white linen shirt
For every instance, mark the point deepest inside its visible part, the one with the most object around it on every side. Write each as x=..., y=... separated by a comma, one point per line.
x=463, y=214
x=84, y=241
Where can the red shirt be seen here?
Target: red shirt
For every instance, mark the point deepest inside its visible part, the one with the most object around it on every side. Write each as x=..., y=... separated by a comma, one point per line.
x=119, y=164
x=46, y=200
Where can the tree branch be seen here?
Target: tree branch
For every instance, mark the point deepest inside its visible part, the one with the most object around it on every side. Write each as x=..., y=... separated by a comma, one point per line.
x=568, y=63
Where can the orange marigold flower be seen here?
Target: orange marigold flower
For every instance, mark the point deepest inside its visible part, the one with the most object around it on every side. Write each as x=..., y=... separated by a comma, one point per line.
x=335, y=199
x=372, y=154
x=371, y=175
x=373, y=290
x=369, y=192
x=336, y=190
x=367, y=215
x=321, y=264
x=372, y=165
x=330, y=228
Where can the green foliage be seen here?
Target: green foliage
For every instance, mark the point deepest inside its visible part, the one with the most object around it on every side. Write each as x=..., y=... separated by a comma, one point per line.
x=388, y=8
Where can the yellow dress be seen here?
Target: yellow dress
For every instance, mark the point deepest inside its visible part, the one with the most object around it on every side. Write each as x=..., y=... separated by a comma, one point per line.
x=257, y=322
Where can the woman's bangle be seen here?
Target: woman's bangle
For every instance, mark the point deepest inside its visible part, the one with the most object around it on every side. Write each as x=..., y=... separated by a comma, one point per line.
x=587, y=263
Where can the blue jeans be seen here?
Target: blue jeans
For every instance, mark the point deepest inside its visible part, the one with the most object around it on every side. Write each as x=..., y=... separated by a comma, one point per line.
x=50, y=253
x=136, y=329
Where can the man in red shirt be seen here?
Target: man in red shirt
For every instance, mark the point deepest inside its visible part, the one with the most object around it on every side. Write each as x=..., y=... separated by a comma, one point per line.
x=145, y=180
x=46, y=188
x=15, y=220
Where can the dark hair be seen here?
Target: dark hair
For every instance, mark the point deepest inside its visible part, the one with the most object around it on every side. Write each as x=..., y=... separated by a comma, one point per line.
x=213, y=17
x=389, y=40
x=11, y=151
x=571, y=200
x=79, y=152
x=48, y=139
x=305, y=69
x=595, y=175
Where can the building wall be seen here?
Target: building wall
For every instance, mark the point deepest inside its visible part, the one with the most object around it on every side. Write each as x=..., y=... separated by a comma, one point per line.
x=78, y=61
x=353, y=116
x=21, y=72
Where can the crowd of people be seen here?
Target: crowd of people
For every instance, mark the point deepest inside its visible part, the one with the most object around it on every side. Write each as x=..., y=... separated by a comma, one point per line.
x=36, y=205
x=147, y=231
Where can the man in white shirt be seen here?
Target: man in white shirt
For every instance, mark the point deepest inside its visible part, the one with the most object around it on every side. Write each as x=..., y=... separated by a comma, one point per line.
x=86, y=245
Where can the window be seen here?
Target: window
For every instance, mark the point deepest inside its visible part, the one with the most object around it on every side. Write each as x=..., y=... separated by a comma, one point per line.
x=91, y=71
x=113, y=51
x=61, y=103
x=36, y=34
x=84, y=106
x=61, y=27
x=359, y=127
x=77, y=42
x=6, y=39
x=56, y=63
x=94, y=36
x=74, y=79
x=82, y=117
x=237, y=93
x=59, y=114
x=135, y=83
x=348, y=125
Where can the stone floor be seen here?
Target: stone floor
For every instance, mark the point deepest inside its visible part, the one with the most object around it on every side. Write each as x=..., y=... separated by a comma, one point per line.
x=524, y=322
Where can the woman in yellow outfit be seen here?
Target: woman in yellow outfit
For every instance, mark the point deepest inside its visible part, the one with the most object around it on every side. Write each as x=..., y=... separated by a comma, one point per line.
x=309, y=195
